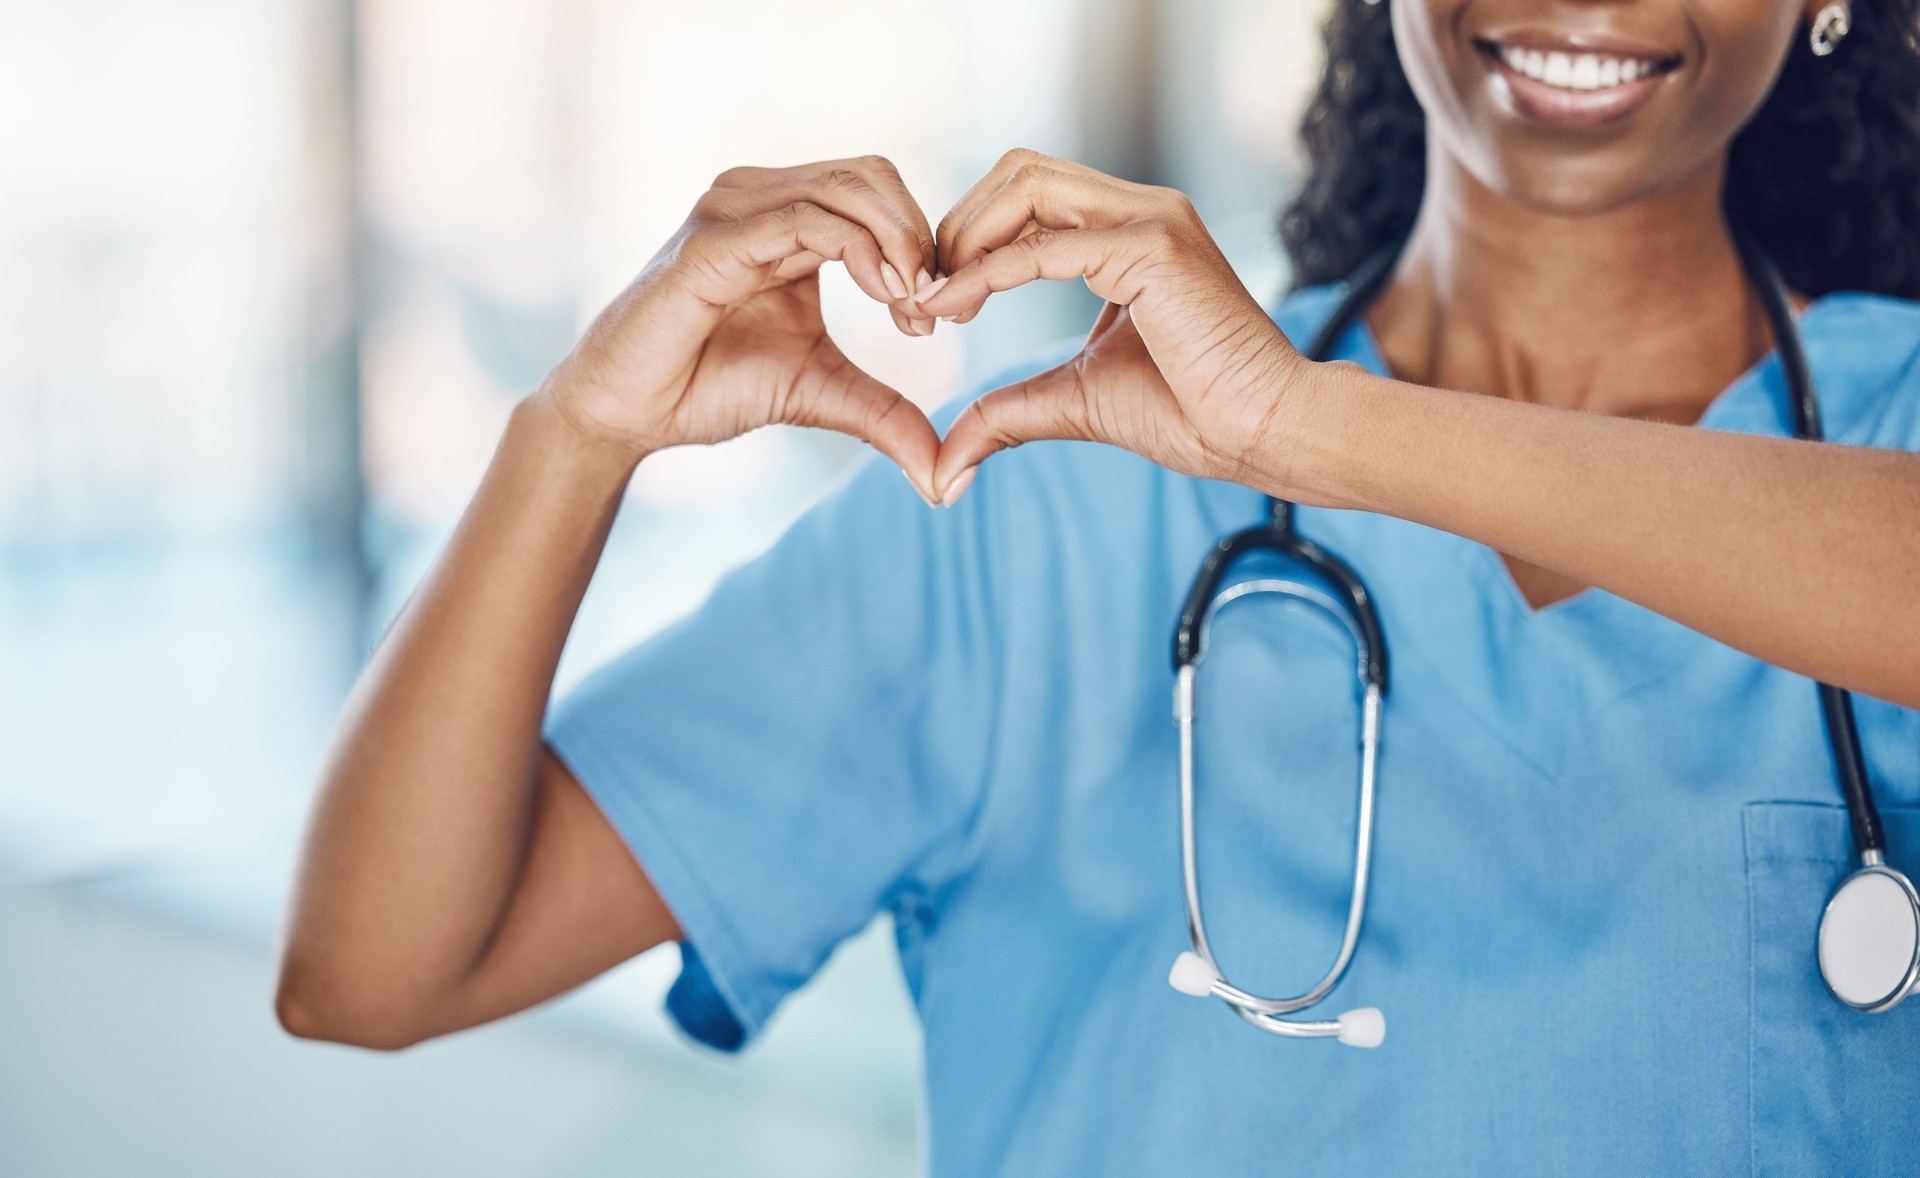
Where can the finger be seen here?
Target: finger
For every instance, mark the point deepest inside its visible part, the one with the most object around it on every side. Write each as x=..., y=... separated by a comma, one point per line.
x=983, y=190
x=886, y=180
x=775, y=241
x=1116, y=264
x=873, y=198
x=798, y=266
x=835, y=393
x=966, y=316
x=920, y=326
x=1046, y=197
x=992, y=183
x=1051, y=405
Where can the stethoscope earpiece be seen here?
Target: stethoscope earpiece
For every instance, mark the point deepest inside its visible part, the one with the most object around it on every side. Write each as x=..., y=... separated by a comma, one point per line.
x=1363, y=1026
x=1870, y=939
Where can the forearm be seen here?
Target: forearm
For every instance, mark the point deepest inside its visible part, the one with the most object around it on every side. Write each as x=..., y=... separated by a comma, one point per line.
x=426, y=801
x=1802, y=554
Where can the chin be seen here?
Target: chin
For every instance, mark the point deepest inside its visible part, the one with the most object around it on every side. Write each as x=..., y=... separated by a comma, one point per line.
x=1573, y=182
x=1572, y=192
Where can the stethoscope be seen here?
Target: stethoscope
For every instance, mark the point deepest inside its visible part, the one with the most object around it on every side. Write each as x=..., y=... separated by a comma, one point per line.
x=1869, y=939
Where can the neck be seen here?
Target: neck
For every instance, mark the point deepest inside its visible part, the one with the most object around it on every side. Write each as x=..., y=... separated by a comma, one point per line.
x=1639, y=311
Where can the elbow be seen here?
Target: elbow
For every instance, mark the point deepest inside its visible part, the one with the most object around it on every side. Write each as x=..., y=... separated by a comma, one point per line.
x=312, y=1007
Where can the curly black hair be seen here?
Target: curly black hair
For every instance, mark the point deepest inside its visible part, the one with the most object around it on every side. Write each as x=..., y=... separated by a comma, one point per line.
x=1826, y=176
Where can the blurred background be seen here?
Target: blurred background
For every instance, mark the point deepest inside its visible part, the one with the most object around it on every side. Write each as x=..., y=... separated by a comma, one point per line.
x=272, y=272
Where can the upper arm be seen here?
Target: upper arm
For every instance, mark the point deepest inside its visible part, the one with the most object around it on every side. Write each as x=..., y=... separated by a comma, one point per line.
x=582, y=904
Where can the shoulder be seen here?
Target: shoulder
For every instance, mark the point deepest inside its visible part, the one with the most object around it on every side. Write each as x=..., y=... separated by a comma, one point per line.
x=1865, y=353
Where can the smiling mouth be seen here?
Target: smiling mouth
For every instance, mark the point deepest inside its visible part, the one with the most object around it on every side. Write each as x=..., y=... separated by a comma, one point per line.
x=1559, y=81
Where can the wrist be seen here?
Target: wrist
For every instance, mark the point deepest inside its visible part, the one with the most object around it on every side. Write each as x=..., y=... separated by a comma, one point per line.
x=1306, y=445
x=545, y=425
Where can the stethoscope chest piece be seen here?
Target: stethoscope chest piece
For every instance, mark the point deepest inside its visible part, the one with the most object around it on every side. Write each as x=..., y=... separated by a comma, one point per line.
x=1870, y=939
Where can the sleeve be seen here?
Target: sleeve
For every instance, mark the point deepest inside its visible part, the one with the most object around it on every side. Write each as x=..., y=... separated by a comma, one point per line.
x=804, y=751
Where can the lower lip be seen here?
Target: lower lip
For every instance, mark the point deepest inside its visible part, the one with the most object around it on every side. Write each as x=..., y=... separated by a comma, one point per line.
x=1578, y=109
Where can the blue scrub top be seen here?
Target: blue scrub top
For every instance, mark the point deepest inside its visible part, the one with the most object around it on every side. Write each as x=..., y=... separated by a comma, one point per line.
x=1604, y=841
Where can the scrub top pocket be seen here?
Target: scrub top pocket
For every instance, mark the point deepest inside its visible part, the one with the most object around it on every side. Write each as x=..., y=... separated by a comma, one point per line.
x=1826, y=1081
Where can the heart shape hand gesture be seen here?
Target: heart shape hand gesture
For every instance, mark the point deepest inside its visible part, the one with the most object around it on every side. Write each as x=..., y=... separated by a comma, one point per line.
x=721, y=333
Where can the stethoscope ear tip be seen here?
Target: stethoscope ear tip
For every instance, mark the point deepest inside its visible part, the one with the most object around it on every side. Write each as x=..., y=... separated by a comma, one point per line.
x=1365, y=1027
x=1193, y=974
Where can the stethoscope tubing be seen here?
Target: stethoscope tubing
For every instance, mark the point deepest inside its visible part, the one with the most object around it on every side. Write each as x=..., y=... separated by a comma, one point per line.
x=1836, y=704
x=1350, y=604
x=1185, y=711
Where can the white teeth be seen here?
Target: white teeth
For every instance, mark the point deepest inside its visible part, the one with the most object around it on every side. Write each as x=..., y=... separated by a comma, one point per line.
x=1577, y=71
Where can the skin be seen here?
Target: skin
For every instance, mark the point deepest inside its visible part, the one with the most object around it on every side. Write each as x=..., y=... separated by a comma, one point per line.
x=456, y=872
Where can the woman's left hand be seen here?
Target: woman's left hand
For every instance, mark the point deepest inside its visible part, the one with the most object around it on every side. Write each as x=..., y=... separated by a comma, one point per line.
x=1183, y=366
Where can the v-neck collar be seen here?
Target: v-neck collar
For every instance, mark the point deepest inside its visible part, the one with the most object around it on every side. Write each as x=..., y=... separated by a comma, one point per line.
x=1600, y=646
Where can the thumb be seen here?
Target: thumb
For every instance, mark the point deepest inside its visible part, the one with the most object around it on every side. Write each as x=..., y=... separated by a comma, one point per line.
x=1052, y=405
x=839, y=395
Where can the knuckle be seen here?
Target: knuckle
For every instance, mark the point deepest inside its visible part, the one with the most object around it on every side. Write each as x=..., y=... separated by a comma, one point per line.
x=840, y=180
x=1036, y=177
x=991, y=410
x=1172, y=198
x=874, y=416
x=1020, y=156
x=791, y=214
x=1037, y=242
x=877, y=163
x=1159, y=232
x=733, y=177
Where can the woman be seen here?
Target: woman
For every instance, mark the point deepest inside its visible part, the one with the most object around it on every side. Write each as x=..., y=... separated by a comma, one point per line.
x=1607, y=818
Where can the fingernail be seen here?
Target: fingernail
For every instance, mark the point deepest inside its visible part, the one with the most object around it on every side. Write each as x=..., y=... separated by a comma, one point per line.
x=959, y=487
x=930, y=289
x=891, y=277
x=921, y=326
x=924, y=497
x=921, y=279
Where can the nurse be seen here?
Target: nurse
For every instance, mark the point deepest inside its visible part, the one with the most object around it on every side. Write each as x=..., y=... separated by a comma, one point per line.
x=1607, y=817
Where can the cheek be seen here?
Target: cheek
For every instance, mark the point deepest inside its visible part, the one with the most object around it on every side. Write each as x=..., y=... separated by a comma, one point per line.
x=1423, y=32
x=1745, y=43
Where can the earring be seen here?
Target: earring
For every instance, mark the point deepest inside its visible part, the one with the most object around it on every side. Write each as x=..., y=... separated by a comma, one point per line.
x=1830, y=24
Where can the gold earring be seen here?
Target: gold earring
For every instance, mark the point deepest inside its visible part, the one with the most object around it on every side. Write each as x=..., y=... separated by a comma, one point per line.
x=1830, y=24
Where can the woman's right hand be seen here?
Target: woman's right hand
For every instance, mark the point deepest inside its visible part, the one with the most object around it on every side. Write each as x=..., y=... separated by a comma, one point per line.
x=722, y=334
x=454, y=870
